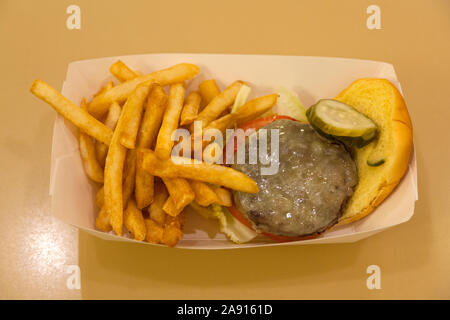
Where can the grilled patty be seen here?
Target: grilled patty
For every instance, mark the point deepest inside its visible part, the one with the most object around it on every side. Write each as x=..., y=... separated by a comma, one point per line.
x=315, y=178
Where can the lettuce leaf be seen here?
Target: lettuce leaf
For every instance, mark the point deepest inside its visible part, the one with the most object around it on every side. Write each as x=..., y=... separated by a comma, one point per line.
x=288, y=104
x=231, y=227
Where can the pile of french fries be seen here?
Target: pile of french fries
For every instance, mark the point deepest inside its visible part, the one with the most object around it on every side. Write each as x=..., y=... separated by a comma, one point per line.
x=125, y=144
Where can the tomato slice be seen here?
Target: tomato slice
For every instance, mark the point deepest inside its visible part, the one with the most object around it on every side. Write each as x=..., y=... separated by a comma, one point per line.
x=261, y=122
x=240, y=217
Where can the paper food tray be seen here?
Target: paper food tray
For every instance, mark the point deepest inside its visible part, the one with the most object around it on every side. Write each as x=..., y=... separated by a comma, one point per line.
x=312, y=78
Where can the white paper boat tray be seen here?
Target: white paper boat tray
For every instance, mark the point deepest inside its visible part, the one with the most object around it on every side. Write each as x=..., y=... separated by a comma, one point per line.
x=312, y=78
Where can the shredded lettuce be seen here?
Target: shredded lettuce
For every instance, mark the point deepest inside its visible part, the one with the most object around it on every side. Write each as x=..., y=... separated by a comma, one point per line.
x=231, y=227
x=241, y=98
x=288, y=104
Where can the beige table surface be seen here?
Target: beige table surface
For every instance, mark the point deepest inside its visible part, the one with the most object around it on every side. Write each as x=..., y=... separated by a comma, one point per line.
x=36, y=250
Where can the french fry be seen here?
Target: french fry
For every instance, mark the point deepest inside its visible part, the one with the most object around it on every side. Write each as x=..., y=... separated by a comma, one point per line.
x=213, y=153
x=151, y=122
x=129, y=174
x=219, y=104
x=122, y=72
x=164, y=143
x=101, y=150
x=195, y=170
x=87, y=151
x=190, y=109
x=79, y=117
x=105, y=88
x=114, y=165
x=181, y=193
x=132, y=114
x=177, y=221
x=170, y=208
x=144, y=187
x=102, y=221
x=153, y=115
x=208, y=89
x=112, y=117
x=172, y=234
x=134, y=221
x=255, y=108
x=223, y=123
x=224, y=196
x=175, y=74
x=154, y=231
x=100, y=197
x=155, y=210
x=204, y=194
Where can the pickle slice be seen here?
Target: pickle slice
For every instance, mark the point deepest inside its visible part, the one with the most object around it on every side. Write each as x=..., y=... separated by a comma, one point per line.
x=337, y=119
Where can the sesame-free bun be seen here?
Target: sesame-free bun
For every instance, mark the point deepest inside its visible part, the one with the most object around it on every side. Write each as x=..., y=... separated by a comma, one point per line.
x=380, y=100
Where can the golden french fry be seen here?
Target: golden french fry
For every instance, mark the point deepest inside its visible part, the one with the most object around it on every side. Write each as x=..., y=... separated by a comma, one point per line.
x=204, y=194
x=100, y=197
x=134, y=221
x=79, y=117
x=213, y=153
x=114, y=165
x=224, y=196
x=132, y=114
x=87, y=151
x=208, y=89
x=171, y=235
x=153, y=115
x=144, y=187
x=177, y=221
x=219, y=104
x=102, y=222
x=181, y=193
x=122, y=72
x=164, y=143
x=255, y=108
x=193, y=169
x=129, y=174
x=155, y=210
x=190, y=109
x=170, y=208
x=101, y=150
x=105, y=88
x=226, y=122
x=154, y=231
x=177, y=73
x=112, y=117
x=151, y=122
x=223, y=123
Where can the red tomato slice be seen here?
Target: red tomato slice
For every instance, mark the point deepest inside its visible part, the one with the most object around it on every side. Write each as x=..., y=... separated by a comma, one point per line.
x=240, y=217
x=261, y=122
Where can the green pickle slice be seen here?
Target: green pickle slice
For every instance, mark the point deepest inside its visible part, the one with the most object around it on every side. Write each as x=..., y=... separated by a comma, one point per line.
x=341, y=121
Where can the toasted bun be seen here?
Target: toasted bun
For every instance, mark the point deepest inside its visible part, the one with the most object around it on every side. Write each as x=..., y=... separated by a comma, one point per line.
x=380, y=100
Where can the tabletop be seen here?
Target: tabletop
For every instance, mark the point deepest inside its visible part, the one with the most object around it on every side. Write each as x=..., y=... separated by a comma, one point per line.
x=40, y=255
